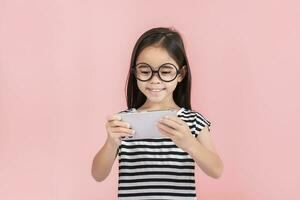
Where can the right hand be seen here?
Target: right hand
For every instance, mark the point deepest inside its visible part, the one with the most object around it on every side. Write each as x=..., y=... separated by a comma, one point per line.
x=117, y=129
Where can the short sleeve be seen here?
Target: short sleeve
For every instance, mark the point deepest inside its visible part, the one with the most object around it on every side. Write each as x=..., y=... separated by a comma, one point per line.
x=127, y=110
x=123, y=111
x=200, y=122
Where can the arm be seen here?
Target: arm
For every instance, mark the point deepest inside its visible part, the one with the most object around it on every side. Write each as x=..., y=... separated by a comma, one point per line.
x=105, y=158
x=103, y=161
x=205, y=155
x=200, y=149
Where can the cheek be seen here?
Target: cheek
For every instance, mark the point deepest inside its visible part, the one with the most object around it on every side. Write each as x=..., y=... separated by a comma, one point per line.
x=172, y=86
x=141, y=86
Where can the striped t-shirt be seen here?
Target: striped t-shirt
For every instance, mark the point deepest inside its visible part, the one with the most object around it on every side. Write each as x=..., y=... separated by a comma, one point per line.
x=156, y=168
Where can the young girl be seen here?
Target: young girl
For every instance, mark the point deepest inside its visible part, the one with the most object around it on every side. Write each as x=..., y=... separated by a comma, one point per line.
x=159, y=78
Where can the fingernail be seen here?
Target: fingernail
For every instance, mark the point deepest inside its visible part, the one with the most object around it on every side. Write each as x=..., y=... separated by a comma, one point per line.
x=166, y=116
x=133, y=131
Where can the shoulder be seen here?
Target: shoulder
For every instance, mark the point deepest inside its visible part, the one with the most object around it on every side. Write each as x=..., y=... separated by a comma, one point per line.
x=127, y=110
x=195, y=119
x=201, y=119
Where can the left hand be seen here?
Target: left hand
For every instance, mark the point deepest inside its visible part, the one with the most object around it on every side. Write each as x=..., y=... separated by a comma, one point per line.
x=178, y=131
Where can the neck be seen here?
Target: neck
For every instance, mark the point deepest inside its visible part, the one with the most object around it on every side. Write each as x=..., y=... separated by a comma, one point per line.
x=158, y=106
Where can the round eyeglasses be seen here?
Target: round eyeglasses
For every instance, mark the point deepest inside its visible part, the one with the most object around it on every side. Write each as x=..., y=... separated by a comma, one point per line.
x=166, y=72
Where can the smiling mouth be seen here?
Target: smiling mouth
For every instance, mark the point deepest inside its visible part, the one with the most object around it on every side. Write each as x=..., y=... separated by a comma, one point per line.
x=155, y=90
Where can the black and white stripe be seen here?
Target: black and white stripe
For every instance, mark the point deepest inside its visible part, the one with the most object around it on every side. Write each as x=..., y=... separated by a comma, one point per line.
x=157, y=168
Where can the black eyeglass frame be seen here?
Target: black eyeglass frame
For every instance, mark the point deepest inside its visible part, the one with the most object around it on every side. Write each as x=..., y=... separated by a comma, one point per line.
x=133, y=70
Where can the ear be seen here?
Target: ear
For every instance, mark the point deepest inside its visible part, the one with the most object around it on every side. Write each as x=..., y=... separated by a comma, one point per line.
x=182, y=74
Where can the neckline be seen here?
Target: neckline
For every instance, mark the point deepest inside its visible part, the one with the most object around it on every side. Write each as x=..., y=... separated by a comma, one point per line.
x=178, y=111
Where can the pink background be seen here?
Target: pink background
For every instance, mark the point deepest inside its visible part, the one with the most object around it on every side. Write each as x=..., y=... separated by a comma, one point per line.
x=63, y=66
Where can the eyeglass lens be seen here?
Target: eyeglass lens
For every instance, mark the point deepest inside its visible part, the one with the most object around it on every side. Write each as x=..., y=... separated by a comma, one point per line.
x=166, y=72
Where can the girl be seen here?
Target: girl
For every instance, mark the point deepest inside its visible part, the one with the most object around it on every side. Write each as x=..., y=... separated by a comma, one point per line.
x=161, y=168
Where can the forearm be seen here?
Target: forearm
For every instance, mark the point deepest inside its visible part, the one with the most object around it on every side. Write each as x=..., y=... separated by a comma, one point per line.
x=104, y=161
x=208, y=161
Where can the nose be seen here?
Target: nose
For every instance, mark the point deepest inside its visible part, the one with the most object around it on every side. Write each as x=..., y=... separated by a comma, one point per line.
x=155, y=77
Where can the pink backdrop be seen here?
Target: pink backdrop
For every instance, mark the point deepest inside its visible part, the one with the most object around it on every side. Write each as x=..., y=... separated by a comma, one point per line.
x=63, y=67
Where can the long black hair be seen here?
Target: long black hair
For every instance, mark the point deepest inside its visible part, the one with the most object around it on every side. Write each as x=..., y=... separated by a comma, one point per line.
x=172, y=42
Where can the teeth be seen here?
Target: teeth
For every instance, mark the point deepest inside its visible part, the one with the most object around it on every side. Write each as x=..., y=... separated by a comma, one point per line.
x=155, y=90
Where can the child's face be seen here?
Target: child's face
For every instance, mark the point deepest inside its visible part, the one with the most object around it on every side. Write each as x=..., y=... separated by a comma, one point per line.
x=155, y=57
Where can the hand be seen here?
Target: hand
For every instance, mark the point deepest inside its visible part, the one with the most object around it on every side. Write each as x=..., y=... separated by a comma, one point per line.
x=177, y=130
x=117, y=129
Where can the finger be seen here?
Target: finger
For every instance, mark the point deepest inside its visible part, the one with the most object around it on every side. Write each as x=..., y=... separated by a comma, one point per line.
x=165, y=133
x=116, y=123
x=122, y=134
x=123, y=130
x=170, y=123
x=175, y=119
x=113, y=117
x=166, y=129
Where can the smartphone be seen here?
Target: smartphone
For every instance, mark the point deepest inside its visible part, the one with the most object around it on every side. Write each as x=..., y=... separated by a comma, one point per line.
x=144, y=123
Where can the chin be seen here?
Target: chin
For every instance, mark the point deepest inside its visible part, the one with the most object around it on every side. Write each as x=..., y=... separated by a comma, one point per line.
x=156, y=100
